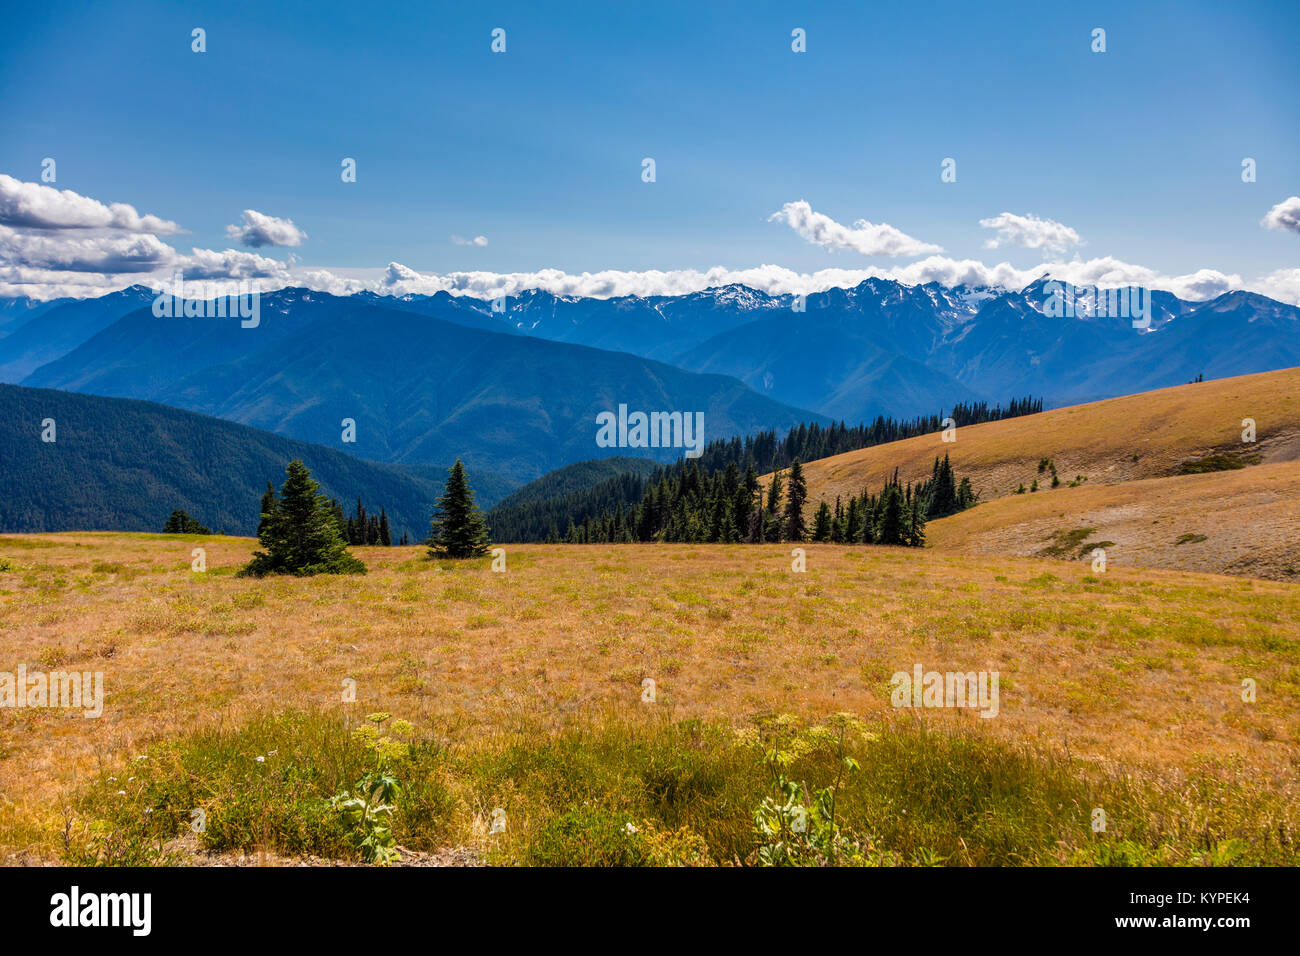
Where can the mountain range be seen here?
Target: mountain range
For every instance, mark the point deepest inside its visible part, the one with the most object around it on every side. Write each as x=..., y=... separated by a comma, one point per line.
x=513, y=387
x=413, y=387
x=887, y=348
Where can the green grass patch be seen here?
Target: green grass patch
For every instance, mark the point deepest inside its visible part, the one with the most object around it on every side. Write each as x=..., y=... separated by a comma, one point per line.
x=610, y=791
x=1220, y=462
x=1065, y=543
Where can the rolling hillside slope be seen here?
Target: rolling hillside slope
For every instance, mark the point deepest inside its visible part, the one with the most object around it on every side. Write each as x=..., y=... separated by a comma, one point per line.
x=123, y=465
x=1149, y=435
x=1229, y=522
x=1137, y=457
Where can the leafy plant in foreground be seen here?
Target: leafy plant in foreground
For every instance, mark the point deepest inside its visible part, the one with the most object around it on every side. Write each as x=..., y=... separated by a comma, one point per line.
x=367, y=811
x=792, y=827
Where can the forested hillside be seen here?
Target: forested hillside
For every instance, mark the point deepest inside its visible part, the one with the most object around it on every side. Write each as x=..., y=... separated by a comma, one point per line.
x=666, y=505
x=124, y=465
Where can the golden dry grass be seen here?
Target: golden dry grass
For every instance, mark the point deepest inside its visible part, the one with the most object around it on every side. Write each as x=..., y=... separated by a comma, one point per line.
x=1098, y=440
x=1228, y=522
x=1130, y=667
x=1128, y=452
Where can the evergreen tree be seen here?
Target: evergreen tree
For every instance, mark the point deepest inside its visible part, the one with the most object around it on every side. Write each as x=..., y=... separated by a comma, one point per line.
x=891, y=525
x=916, y=523
x=853, y=523
x=795, y=529
x=301, y=536
x=269, y=501
x=966, y=496
x=336, y=510
x=822, y=524
x=772, y=514
x=182, y=523
x=757, y=520
x=458, y=528
x=942, y=491
x=744, y=506
x=385, y=534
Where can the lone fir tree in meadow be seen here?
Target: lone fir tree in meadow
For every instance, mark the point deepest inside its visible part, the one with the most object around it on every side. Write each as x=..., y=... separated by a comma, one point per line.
x=301, y=534
x=458, y=528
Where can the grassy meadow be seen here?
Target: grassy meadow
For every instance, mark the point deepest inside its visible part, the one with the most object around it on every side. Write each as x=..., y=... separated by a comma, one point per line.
x=519, y=695
x=1131, y=438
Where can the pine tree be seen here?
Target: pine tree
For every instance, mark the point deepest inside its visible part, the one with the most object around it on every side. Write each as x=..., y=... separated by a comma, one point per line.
x=853, y=523
x=458, y=528
x=942, y=491
x=757, y=520
x=822, y=524
x=795, y=530
x=385, y=534
x=182, y=523
x=966, y=496
x=336, y=510
x=891, y=525
x=269, y=502
x=771, y=514
x=916, y=523
x=744, y=507
x=301, y=536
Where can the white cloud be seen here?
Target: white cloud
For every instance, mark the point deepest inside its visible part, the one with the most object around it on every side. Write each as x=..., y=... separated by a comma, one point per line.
x=864, y=237
x=56, y=243
x=1031, y=232
x=48, y=284
x=259, y=229
x=232, y=264
x=1108, y=272
x=1285, y=215
x=1283, y=285
x=89, y=253
x=476, y=241
x=33, y=206
x=39, y=258
x=398, y=279
x=129, y=254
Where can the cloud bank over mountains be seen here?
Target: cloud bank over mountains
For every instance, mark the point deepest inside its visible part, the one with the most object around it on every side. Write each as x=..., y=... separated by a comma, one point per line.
x=59, y=243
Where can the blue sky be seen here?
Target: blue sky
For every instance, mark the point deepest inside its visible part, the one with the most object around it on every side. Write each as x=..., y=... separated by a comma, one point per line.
x=539, y=149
